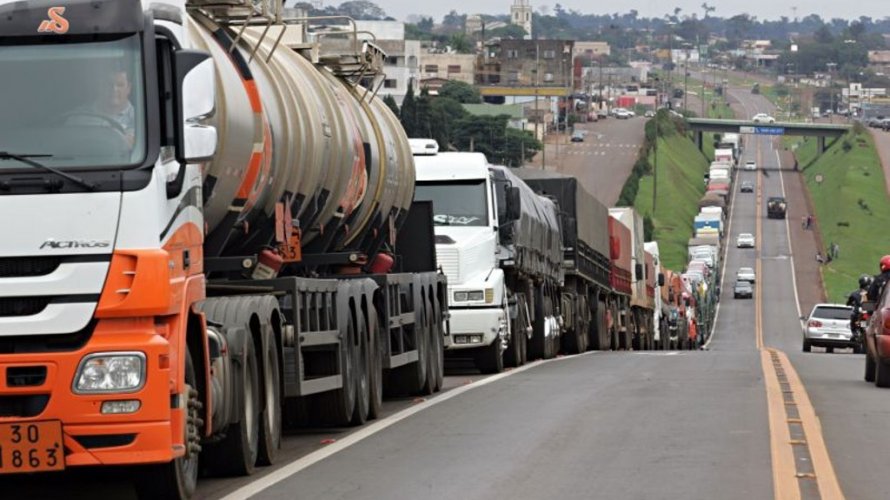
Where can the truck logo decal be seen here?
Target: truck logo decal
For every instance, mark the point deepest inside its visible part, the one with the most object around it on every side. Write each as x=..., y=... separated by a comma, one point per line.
x=56, y=23
x=63, y=244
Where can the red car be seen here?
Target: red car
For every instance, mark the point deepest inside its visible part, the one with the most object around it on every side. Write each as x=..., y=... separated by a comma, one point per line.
x=877, y=343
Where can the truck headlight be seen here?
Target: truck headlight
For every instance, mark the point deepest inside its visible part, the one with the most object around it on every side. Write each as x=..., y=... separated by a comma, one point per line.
x=110, y=372
x=476, y=295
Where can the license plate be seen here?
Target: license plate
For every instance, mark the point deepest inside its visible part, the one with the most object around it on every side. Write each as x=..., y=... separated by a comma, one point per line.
x=31, y=447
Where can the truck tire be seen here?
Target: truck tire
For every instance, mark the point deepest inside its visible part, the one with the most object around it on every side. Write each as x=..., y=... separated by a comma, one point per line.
x=434, y=366
x=409, y=379
x=237, y=453
x=882, y=373
x=378, y=352
x=490, y=359
x=362, y=374
x=598, y=330
x=537, y=345
x=869, y=368
x=176, y=480
x=335, y=408
x=829, y=350
x=270, y=429
x=513, y=354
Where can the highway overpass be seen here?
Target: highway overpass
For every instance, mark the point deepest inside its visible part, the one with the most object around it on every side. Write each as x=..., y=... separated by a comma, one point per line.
x=819, y=130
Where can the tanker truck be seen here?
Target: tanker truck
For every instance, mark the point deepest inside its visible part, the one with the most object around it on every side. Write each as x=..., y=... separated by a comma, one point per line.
x=500, y=247
x=202, y=240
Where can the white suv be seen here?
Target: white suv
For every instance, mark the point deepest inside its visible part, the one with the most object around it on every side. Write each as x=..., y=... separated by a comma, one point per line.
x=828, y=326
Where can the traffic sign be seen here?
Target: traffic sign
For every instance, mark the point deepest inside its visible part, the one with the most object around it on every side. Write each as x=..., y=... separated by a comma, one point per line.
x=746, y=130
x=769, y=130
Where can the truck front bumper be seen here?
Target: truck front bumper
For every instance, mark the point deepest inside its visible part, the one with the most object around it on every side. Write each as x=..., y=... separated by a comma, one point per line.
x=91, y=437
x=476, y=327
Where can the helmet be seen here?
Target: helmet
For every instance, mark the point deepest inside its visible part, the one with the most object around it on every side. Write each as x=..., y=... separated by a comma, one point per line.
x=885, y=263
x=865, y=281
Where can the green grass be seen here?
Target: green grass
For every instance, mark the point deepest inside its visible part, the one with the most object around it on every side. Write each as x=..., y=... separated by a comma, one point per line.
x=680, y=169
x=852, y=207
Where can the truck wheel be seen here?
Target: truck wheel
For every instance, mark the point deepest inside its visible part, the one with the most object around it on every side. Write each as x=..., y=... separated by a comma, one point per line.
x=270, y=431
x=362, y=372
x=807, y=347
x=236, y=454
x=178, y=479
x=409, y=379
x=335, y=408
x=829, y=350
x=537, y=346
x=869, y=368
x=434, y=366
x=490, y=359
x=882, y=373
x=375, y=368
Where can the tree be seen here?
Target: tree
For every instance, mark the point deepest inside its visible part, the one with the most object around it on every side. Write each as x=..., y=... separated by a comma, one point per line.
x=445, y=112
x=453, y=21
x=460, y=92
x=408, y=113
x=511, y=31
x=423, y=120
x=361, y=9
x=391, y=104
x=823, y=34
x=460, y=43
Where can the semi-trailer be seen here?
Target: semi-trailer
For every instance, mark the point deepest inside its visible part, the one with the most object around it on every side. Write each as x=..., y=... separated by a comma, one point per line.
x=587, y=295
x=640, y=321
x=220, y=238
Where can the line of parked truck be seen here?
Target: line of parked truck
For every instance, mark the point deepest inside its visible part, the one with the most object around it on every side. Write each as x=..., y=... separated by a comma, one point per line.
x=536, y=265
x=702, y=278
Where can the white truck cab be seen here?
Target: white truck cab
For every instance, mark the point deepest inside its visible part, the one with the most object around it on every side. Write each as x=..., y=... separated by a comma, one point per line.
x=465, y=205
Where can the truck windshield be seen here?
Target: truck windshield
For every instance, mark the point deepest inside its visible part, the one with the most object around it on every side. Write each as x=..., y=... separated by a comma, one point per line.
x=77, y=104
x=455, y=203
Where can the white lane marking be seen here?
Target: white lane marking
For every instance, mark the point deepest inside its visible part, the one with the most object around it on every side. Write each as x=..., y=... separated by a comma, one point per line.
x=788, y=234
x=299, y=464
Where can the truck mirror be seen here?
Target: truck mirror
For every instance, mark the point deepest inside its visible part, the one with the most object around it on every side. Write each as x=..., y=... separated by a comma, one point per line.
x=514, y=203
x=638, y=272
x=660, y=279
x=196, y=100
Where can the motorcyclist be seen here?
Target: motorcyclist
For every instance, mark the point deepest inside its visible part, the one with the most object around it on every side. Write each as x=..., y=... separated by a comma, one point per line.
x=877, y=285
x=855, y=300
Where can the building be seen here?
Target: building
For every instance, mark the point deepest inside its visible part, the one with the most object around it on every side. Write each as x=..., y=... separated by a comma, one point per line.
x=521, y=15
x=526, y=63
x=447, y=66
x=879, y=60
x=473, y=25
x=591, y=50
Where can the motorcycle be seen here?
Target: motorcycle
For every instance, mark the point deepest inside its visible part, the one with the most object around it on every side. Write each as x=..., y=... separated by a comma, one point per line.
x=857, y=328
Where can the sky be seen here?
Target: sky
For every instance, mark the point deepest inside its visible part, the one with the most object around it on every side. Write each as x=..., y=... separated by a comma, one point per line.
x=763, y=9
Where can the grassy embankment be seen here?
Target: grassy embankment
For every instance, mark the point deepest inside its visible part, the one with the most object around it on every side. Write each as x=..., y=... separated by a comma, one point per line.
x=680, y=169
x=851, y=204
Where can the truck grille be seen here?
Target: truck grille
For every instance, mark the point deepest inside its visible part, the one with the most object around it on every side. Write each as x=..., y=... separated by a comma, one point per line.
x=23, y=306
x=449, y=261
x=28, y=266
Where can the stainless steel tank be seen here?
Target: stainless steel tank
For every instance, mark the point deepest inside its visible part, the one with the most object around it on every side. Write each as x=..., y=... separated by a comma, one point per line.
x=292, y=131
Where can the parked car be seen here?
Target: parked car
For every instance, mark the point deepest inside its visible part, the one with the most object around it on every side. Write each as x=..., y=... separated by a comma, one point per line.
x=874, y=121
x=578, y=136
x=828, y=326
x=601, y=113
x=649, y=114
x=745, y=274
x=746, y=187
x=763, y=118
x=745, y=240
x=750, y=165
x=743, y=289
x=622, y=114
x=877, y=342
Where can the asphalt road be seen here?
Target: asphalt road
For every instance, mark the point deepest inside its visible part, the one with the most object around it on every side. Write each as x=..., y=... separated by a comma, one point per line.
x=603, y=161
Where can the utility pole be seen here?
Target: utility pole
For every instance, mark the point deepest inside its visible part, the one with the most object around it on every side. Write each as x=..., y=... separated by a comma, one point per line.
x=686, y=82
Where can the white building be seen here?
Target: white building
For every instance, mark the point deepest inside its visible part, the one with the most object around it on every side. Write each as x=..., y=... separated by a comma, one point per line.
x=521, y=15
